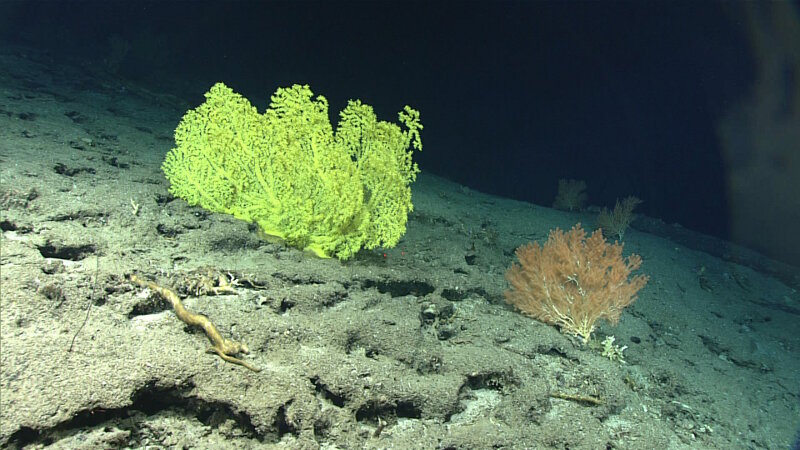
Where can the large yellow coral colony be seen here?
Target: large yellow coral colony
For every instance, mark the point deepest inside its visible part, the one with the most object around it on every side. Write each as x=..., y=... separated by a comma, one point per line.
x=573, y=281
x=331, y=193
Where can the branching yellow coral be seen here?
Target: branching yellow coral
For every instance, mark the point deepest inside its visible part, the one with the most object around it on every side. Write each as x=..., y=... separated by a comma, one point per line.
x=287, y=171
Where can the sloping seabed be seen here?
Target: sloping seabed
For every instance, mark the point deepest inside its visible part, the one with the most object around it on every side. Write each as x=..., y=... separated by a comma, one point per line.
x=411, y=347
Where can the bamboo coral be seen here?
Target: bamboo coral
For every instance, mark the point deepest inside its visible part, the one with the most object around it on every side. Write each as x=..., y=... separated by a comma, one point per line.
x=615, y=222
x=572, y=281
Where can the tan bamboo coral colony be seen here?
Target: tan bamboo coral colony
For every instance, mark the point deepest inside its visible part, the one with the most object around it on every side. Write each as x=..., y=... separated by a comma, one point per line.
x=572, y=281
